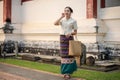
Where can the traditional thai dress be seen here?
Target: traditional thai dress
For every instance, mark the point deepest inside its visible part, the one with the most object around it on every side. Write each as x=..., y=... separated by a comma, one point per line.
x=68, y=63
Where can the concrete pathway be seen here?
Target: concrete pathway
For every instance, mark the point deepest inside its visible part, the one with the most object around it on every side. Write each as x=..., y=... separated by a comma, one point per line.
x=12, y=72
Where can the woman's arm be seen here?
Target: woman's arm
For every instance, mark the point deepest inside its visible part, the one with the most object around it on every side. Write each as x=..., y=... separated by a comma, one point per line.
x=57, y=22
x=74, y=33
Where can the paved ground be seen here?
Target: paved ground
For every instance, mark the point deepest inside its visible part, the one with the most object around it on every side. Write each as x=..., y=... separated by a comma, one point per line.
x=8, y=76
x=10, y=72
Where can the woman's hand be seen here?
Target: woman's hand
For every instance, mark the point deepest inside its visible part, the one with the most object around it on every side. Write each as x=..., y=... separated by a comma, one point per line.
x=68, y=35
x=73, y=33
x=57, y=22
x=63, y=15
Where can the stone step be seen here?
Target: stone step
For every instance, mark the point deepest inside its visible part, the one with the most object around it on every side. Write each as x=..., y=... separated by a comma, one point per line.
x=41, y=58
x=30, y=57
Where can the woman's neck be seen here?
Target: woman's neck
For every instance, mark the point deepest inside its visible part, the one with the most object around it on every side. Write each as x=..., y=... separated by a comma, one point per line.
x=68, y=17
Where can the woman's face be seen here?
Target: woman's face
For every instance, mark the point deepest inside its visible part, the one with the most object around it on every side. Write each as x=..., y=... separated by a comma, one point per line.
x=67, y=12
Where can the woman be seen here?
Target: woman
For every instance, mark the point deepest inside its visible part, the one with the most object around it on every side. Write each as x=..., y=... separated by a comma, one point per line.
x=69, y=28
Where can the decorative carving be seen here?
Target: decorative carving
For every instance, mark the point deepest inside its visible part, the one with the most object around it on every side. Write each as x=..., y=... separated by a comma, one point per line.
x=90, y=61
x=8, y=29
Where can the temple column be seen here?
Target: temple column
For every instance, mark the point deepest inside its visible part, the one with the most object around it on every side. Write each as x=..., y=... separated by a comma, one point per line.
x=91, y=9
x=7, y=9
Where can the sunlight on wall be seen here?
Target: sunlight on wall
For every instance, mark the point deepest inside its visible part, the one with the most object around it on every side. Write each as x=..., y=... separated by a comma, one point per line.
x=50, y=10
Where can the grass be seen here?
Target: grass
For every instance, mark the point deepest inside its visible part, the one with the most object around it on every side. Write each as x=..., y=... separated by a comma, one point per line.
x=80, y=73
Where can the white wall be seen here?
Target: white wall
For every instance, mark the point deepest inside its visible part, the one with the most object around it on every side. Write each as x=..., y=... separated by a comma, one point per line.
x=34, y=19
x=111, y=18
x=16, y=21
x=16, y=11
x=113, y=30
x=110, y=13
x=48, y=10
x=1, y=21
x=1, y=13
x=39, y=15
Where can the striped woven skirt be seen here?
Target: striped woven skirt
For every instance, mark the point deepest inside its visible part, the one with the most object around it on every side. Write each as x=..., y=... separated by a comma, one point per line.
x=68, y=63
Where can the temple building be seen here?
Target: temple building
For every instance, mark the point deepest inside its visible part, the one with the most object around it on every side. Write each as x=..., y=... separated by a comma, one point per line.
x=33, y=20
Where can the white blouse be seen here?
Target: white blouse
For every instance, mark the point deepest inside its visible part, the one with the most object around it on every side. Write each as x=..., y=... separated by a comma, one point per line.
x=67, y=26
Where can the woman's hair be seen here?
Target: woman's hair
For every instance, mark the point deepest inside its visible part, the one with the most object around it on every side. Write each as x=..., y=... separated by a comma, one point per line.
x=71, y=10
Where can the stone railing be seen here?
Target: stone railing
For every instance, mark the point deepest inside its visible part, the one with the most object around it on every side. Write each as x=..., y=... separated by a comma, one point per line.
x=93, y=47
x=53, y=47
x=40, y=47
x=103, y=51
